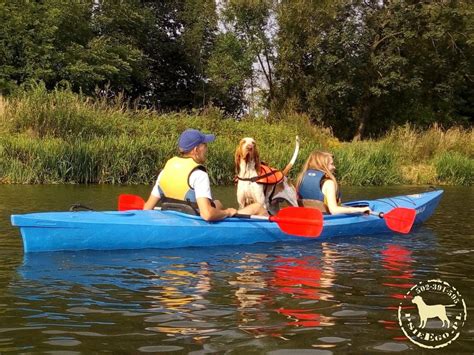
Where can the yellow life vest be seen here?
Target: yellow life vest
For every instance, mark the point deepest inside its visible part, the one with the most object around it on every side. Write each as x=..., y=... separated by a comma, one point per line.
x=174, y=180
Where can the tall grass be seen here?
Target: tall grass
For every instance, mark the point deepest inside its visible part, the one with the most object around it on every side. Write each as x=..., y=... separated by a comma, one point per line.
x=62, y=137
x=455, y=168
x=420, y=146
x=367, y=163
x=119, y=159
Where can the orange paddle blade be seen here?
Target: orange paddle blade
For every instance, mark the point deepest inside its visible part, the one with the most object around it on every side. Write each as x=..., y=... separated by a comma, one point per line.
x=400, y=219
x=130, y=202
x=300, y=221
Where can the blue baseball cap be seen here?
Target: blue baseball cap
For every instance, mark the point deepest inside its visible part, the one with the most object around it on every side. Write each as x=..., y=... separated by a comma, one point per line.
x=191, y=138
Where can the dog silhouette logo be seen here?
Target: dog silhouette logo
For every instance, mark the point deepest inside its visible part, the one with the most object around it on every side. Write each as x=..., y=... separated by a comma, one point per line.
x=434, y=311
x=432, y=314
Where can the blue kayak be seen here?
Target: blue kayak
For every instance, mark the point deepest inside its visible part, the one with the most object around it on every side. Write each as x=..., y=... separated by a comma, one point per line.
x=109, y=230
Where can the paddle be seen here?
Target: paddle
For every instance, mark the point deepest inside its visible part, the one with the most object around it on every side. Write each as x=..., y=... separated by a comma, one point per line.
x=297, y=221
x=399, y=219
x=130, y=202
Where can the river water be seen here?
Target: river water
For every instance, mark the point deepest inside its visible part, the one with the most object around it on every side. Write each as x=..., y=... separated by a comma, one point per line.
x=298, y=298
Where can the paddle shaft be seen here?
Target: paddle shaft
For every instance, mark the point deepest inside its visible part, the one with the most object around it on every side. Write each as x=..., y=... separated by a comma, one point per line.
x=378, y=214
x=250, y=216
x=297, y=221
x=263, y=218
x=273, y=218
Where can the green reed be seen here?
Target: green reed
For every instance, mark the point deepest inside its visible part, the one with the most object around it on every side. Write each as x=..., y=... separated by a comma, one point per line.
x=61, y=137
x=454, y=168
x=366, y=163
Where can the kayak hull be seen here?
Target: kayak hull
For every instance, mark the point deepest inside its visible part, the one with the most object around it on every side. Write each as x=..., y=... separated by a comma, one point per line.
x=109, y=230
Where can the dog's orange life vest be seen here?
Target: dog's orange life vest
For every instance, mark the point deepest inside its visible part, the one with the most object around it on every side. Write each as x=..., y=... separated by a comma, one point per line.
x=269, y=176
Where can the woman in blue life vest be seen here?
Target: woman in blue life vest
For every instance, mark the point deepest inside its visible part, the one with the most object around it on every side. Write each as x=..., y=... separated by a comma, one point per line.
x=317, y=186
x=184, y=180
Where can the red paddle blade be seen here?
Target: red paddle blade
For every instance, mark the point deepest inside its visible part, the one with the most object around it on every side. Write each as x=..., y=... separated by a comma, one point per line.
x=400, y=219
x=130, y=202
x=300, y=221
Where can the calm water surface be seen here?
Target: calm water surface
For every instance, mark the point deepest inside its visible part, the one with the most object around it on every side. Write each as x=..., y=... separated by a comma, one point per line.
x=308, y=297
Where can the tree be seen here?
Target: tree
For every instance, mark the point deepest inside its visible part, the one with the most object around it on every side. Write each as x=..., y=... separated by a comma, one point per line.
x=254, y=24
x=178, y=46
x=26, y=43
x=57, y=41
x=362, y=66
x=229, y=67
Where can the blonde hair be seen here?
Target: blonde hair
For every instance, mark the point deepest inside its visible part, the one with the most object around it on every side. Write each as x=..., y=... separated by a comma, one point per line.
x=317, y=161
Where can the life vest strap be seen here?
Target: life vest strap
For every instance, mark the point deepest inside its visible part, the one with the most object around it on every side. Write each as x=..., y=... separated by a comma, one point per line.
x=272, y=172
x=256, y=178
x=184, y=206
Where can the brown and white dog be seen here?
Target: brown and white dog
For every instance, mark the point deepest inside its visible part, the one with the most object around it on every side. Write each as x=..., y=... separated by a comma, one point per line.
x=253, y=184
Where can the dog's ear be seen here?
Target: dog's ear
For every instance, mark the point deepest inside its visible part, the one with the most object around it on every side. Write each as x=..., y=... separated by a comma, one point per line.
x=256, y=157
x=238, y=157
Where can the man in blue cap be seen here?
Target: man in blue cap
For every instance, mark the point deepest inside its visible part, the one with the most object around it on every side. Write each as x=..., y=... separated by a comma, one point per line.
x=184, y=181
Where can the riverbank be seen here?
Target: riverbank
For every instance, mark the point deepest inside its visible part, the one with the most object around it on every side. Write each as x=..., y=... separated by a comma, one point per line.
x=62, y=137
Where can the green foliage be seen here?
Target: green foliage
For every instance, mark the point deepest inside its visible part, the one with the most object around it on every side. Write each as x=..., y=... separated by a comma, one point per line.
x=30, y=160
x=359, y=67
x=58, y=136
x=58, y=113
x=178, y=44
x=155, y=51
x=421, y=146
x=228, y=68
x=61, y=137
x=363, y=66
x=252, y=22
x=455, y=169
x=63, y=41
x=367, y=163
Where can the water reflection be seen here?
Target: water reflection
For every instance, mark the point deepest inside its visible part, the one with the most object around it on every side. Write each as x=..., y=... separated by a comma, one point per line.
x=250, y=281
x=307, y=278
x=173, y=282
x=179, y=292
x=397, y=260
x=224, y=295
x=167, y=291
x=250, y=288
